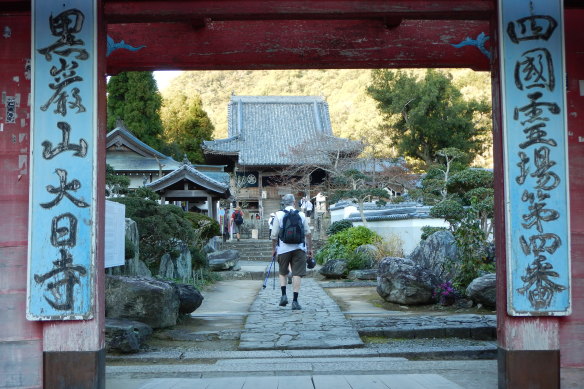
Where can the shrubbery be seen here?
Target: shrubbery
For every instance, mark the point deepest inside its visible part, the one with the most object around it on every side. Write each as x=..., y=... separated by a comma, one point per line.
x=428, y=230
x=354, y=237
x=339, y=226
x=342, y=245
x=206, y=227
x=160, y=227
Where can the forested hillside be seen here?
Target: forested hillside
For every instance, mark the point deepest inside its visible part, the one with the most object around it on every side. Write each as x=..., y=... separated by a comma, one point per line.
x=353, y=113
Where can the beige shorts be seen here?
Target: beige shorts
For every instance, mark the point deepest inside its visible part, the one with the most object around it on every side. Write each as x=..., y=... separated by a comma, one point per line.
x=297, y=259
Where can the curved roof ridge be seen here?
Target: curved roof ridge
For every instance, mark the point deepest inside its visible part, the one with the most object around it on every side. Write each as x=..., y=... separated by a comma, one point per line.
x=185, y=169
x=129, y=136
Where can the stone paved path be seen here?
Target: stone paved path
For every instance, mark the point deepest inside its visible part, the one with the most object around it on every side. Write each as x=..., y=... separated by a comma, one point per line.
x=319, y=325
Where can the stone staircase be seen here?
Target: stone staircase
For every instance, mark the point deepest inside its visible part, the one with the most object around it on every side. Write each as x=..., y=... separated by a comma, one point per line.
x=251, y=249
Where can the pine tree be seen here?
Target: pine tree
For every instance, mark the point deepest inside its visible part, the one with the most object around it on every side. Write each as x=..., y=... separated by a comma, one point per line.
x=134, y=98
x=186, y=125
x=426, y=115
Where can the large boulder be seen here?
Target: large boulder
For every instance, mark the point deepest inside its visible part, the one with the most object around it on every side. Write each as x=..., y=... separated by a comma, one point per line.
x=180, y=268
x=335, y=268
x=438, y=254
x=483, y=290
x=141, y=299
x=133, y=266
x=212, y=245
x=367, y=274
x=190, y=298
x=223, y=260
x=402, y=281
x=125, y=336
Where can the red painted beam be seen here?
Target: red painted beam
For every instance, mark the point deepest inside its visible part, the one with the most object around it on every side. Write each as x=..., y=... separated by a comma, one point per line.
x=290, y=44
x=136, y=11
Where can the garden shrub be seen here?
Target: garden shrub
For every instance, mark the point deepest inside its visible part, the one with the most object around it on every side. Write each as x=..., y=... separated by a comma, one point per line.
x=353, y=237
x=342, y=245
x=331, y=251
x=359, y=261
x=129, y=249
x=160, y=227
x=429, y=230
x=473, y=252
x=339, y=226
x=206, y=226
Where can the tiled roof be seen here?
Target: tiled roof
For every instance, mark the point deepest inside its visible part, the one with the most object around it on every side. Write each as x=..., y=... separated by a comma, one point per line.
x=263, y=129
x=127, y=153
x=187, y=171
x=376, y=212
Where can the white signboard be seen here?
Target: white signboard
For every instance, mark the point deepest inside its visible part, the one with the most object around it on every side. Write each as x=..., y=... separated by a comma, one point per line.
x=115, y=234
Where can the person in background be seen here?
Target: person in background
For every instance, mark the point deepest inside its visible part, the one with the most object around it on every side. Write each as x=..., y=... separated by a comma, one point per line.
x=236, y=222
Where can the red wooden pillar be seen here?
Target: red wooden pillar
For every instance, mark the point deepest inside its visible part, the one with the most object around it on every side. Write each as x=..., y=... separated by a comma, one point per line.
x=20, y=340
x=572, y=327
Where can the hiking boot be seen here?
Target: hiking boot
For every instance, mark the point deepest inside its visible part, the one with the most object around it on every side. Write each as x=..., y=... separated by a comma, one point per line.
x=283, y=301
x=296, y=306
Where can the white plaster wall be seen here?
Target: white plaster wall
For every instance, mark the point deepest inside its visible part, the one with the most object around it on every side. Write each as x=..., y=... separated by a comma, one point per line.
x=409, y=230
x=340, y=214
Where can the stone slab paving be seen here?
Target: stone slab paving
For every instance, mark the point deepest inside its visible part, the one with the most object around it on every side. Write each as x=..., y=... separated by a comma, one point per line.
x=394, y=381
x=467, y=326
x=320, y=324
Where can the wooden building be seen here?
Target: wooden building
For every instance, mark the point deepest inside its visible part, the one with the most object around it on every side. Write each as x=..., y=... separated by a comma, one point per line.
x=267, y=134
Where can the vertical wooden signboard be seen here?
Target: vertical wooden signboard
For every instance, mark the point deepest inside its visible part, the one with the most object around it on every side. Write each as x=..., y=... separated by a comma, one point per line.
x=63, y=158
x=536, y=157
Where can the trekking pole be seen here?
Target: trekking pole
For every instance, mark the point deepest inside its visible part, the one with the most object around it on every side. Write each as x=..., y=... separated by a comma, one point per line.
x=269, y=270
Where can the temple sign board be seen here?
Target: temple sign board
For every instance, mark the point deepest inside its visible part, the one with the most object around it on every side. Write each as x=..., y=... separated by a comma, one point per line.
x=62, y=211
x=536, y=158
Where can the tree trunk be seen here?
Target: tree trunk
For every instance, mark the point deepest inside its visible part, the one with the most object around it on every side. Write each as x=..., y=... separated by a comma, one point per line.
x=362, y=213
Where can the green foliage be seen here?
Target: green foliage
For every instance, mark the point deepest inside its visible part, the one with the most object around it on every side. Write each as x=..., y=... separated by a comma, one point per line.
x=332, y=250
x=472, y=244
x=144, y=193
x=354, y=237
x=134, y=98
x=424, y=115
x=352, y=111
x=465, y=180
x=199, y=258
x=129, y=249
x=115, y=184
x=161, y=227
x=204, y=225
x=339, y=226
x=186, y=125
x=449, y=209
x=428, y=230
x=359, y=261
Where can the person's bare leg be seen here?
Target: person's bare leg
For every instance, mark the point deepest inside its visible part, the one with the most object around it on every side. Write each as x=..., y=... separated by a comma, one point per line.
x=296, y=280
x=296, y=288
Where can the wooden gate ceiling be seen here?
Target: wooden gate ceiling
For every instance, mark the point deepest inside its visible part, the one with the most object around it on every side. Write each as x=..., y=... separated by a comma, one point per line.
x=283, y=34
x=294, y=34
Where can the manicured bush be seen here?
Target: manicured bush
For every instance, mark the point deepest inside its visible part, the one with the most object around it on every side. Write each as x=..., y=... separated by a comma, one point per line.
x=160, y=227
x=428, y=230
x=206, y=226
x=339, y=226
x=353, y=237
x=342, y=245
x=331, y=251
